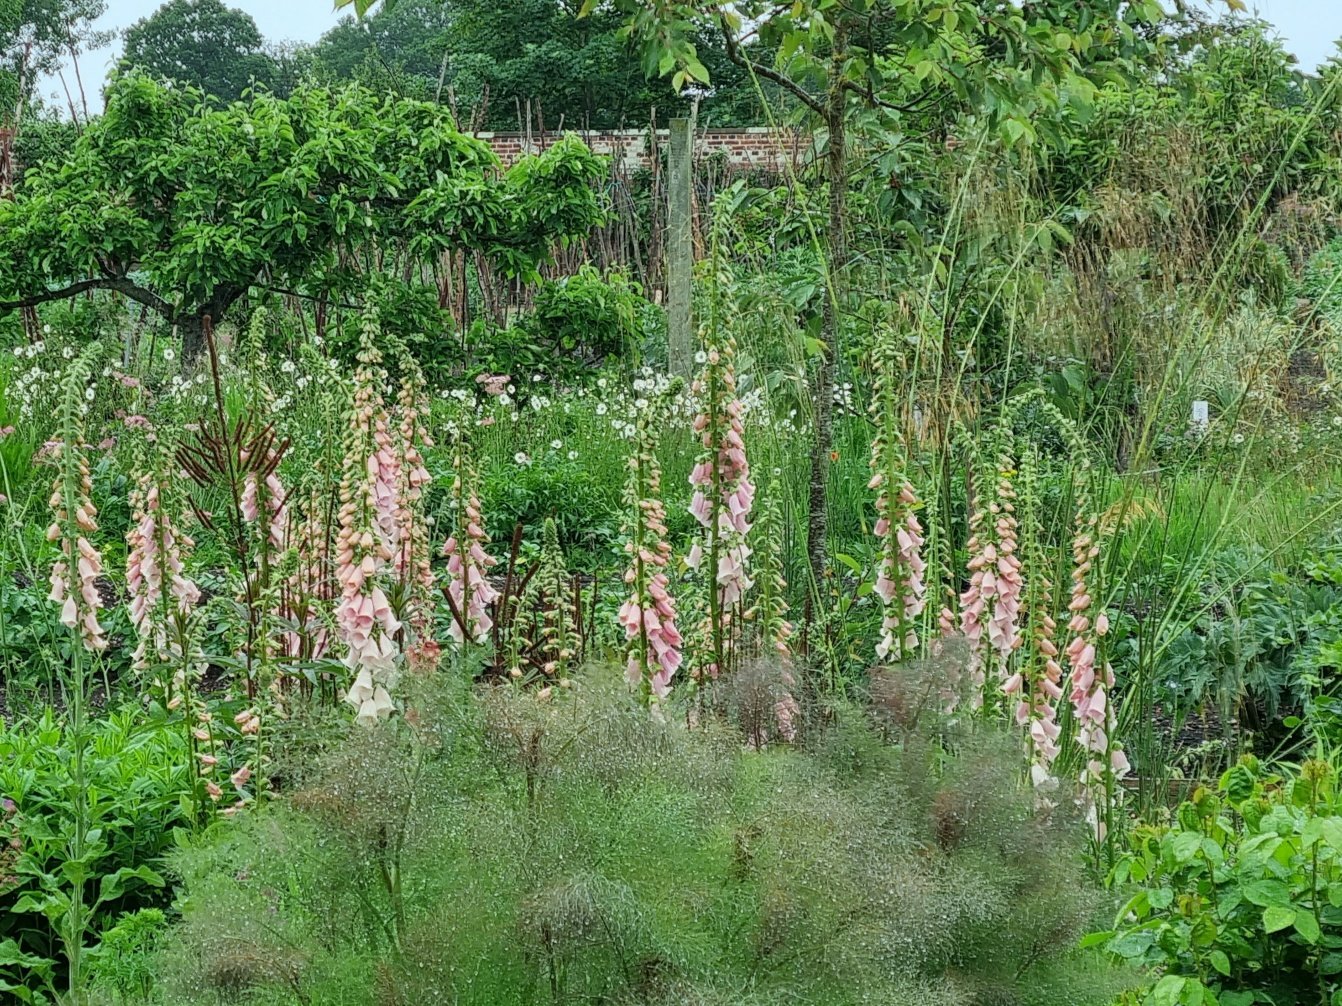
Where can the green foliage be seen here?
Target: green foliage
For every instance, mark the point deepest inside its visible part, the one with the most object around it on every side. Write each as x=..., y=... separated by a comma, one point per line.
x=1321, y=282
x=202, y=44
x=136, y=778
x=134, y=207
x=121, y=965
x=572, y=849
x=1239, y=900
x=499, y=62
x=589, y=315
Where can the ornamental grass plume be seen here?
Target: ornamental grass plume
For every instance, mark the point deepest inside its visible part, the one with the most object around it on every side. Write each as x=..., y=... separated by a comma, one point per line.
x=74, y=576
x=469, y=592
x=723, y=498
x=364, y=548
x=900, y=571
x=649, y=614
x=1092, y=679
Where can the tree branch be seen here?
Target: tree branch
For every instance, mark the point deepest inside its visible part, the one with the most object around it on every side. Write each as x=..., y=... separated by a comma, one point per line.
x=117, y=284
x=760, y=70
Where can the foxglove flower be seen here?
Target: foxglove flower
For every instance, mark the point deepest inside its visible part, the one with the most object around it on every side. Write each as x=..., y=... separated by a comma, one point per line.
x=648, y=615
x=75, y=574
x=364, y=547
x=468, y=564
x=723, y=496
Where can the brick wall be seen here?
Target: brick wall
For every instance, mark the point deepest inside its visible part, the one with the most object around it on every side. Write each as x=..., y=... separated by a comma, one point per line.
x=753, y=147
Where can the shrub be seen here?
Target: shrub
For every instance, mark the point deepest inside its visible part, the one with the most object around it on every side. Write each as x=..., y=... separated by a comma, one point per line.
x=137, y=781
x=1239, y=900
x=516, y=849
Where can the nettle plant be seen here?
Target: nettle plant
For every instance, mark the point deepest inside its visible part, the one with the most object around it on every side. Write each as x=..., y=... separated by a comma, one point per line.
x=1239, y=900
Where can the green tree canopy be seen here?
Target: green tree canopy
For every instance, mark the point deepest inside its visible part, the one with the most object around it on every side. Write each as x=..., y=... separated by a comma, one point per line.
x=496, y=60
x=183, y=206
x=202, y=43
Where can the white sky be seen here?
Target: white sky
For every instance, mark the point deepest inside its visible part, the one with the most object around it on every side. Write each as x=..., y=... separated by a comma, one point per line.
x=1309, y=28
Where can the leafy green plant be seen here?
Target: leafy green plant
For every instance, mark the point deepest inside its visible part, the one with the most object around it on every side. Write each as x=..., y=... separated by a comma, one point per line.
x=1239, y=899
x=135, y=781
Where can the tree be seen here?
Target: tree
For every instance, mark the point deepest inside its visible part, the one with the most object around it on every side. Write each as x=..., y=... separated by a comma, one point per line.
x=1012, y=66
x=183, y=207
x=35, y=35
x=497, y=60
x=203, y=44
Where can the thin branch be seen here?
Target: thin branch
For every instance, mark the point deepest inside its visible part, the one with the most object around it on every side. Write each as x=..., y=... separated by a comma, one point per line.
x=760, y=70
x=118, y=284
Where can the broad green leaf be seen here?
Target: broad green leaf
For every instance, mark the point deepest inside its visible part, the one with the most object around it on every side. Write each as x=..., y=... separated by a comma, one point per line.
x=1277, y=918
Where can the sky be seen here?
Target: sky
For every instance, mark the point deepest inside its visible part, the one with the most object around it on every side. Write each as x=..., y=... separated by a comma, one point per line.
x=1309, y=28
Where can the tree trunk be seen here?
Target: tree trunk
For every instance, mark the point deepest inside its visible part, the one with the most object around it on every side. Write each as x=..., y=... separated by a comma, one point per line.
x=817, y=529
x=191, y=327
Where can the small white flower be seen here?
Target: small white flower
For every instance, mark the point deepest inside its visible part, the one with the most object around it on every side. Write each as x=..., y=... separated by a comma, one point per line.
x=535, y=378
x=67, y=352
x=521, y=458
x=573, y=455
x=556, y=444
x=701, y=357
x=302, y=382
x=601, y=409
x=640, y=404
x=1238, y=438
x=89, y=393
x=169, y=355
x=287, y=366
x=601, y=382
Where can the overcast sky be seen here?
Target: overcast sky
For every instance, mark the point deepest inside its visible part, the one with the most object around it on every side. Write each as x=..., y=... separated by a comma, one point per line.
x=1309, y=28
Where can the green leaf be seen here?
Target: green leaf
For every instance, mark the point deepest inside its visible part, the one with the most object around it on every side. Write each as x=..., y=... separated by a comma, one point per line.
x=1220, y=961
x=1277, y=918
x=1266, y=893
x=1307, y=926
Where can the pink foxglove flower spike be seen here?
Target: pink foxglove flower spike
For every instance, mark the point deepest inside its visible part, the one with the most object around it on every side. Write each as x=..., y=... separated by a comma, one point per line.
x=723, y=498
x=648, y=615
x=364, y=548
x=468, y=564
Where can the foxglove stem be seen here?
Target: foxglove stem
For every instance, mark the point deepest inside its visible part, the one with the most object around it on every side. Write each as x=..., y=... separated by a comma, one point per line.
x=990, y=604
x=723, y=498
x=1092, y=679
x=900, y=568
x=412, y=559
x=468, y=563
x=770, y=613
x=649, y=614
x=74, y=576
x=364, y=547
x=162, y=598
x=548, y=605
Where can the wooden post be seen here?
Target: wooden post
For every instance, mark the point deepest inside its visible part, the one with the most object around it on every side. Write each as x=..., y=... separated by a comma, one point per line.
x=680, y=250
